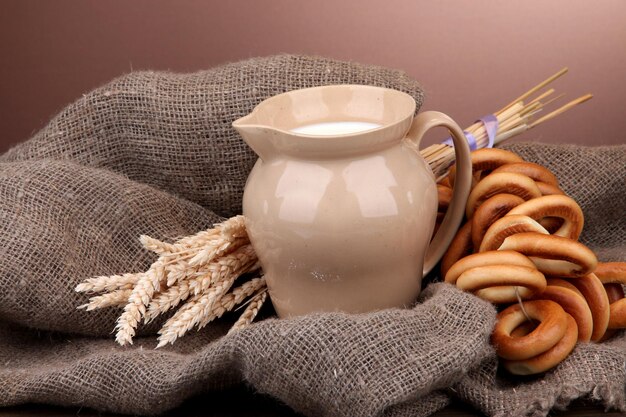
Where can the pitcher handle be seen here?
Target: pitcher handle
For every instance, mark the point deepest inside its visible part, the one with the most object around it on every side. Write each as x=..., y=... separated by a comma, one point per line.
x=462, y=182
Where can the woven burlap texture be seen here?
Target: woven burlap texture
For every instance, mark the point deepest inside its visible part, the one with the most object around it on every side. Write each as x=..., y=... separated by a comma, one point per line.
x=154, y=153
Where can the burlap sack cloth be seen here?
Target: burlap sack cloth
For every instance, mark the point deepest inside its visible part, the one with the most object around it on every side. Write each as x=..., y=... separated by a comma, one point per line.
x=154, y=153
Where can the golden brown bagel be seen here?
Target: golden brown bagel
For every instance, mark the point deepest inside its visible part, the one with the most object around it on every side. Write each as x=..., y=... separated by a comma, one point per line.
x=487, y=159
x=498, y=283
x=445, y=182
x=488, y=212
x=460, y=246
x=552, y=327
x=595, y=295
x=444, y=196
x=613, y=275
x=551, y=224
x=532, y=170
x=611, y=272
x=548, y=189
x=476, y=260
x=617, y=315
x=497, y=276
x=614, y=292
x=548, y=359
x=509, y=183
x=555, y=206
x=524, y=329
x=565, y=283
x=553, y=255
x=574, y=304
x=505, y=227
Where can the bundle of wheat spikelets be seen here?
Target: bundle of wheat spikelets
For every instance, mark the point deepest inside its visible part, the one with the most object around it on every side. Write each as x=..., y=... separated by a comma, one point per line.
x=197, y=271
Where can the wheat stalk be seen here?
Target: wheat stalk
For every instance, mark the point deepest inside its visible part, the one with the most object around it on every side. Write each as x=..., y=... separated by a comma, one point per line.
x=513, y=119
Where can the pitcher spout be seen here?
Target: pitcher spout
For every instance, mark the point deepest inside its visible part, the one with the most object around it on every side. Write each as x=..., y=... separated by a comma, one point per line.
x=257, y=136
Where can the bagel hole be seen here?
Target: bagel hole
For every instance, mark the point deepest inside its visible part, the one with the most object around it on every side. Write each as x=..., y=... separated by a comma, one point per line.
x=525, y=328
x=551, y=224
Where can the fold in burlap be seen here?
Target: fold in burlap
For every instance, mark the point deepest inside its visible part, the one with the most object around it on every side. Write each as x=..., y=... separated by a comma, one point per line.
x=154, y=153
x=331, y=364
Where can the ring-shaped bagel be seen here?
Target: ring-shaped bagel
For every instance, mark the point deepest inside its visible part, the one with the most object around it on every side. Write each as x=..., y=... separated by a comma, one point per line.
x=501, y=257
x=611, y=272
x=592, y=289
x=444, y=196
x=488, y=212
x=532, y=170
x=506, y=294
x=617, y=318
x=505, y=182
x=560, y=206
x=460, y=247
x=553, y=255
x=551, y=224
x=552, y=327
x=497, y=283
x=574, y=304
x=615, y=293
x=550, y=358
x=565, y=283
x=487, y=159
x=508, y=226
x=548, y=189
x=445, y=182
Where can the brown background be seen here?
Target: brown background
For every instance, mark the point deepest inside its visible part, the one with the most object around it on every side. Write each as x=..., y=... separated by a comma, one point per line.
x=471, y=56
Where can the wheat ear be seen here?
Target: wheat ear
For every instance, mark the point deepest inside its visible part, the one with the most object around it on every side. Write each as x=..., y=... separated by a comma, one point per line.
x=111, y=283
x=177, y=271
x=160, y=247
x=140, y=297
x=168, y=299
x=250, y=312
x=192, y=312
x=233, y=227
x=230, y=300
x=110, y=299
x=221, y=247
x=234, y=264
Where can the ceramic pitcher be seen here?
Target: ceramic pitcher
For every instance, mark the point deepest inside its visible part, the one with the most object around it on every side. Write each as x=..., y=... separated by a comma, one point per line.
x=340, y=205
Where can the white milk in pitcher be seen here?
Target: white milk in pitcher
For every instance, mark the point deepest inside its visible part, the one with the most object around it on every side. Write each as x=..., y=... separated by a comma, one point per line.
x=335, y=128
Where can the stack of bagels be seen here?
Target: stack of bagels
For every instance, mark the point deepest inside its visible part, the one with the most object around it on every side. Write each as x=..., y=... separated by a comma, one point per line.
x=519, y=249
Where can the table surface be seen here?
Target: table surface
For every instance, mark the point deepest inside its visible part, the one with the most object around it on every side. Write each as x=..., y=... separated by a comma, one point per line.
x=241, y=402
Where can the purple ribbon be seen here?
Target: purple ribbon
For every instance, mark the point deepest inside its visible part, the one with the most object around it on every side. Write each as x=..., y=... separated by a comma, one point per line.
x=491, y=127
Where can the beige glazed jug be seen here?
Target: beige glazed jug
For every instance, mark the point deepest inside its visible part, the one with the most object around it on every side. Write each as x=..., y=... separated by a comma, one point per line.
x=340, y=205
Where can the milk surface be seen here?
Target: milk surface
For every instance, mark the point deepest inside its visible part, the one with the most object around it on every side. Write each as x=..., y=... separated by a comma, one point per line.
x=335, y=128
